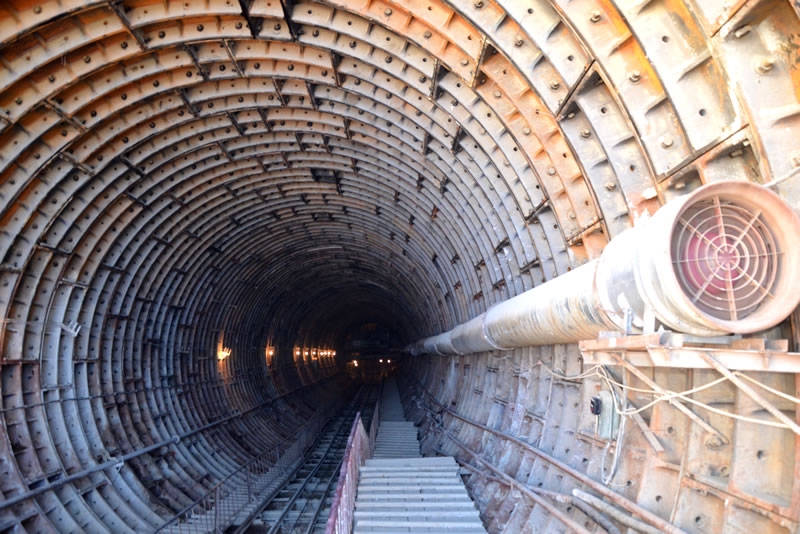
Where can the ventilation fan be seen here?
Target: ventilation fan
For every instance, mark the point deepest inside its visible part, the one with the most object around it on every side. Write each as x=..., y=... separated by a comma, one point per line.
x=733, y=260
x=725, y=257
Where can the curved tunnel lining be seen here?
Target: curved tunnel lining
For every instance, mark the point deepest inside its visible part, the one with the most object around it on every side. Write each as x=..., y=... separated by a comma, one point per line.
x=140, y=206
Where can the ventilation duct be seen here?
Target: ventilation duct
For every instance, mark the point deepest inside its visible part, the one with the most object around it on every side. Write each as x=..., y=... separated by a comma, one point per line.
x=719, y=260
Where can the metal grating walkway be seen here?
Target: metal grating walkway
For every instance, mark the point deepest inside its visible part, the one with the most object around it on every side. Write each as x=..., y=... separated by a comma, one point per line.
x=400, y=491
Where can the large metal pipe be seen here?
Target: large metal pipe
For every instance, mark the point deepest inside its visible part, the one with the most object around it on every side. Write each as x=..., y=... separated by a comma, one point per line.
x=718, y=260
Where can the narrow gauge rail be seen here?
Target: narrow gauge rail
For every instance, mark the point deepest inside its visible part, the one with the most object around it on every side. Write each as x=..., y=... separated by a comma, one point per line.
x=302, y=504
x=236, y=503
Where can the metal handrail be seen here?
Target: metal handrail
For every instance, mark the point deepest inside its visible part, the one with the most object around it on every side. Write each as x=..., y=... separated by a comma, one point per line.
x=360, y=447
x=373, y=426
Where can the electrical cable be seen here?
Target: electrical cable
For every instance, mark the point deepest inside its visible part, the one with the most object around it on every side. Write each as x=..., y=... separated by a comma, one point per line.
x=593, y=371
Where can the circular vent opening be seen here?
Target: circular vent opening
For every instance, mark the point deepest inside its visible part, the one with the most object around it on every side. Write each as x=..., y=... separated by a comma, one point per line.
x=725, y=258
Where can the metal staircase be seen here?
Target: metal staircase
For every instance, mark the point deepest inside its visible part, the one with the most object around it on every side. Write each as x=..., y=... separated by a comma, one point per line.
x=400, y=491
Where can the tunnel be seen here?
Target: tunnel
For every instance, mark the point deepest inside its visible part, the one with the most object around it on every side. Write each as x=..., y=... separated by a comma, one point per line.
x=211, y=209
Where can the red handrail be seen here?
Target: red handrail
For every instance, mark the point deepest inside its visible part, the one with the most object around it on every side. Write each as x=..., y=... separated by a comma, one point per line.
x=359, y=448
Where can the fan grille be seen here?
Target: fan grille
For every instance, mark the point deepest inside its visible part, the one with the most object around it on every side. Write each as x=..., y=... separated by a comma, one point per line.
x=725, y=258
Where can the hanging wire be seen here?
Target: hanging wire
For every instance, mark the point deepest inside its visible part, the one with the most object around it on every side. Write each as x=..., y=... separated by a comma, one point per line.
x=683, y=395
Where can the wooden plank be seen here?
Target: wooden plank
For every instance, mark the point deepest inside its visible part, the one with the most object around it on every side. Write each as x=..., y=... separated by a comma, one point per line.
x=620, y=343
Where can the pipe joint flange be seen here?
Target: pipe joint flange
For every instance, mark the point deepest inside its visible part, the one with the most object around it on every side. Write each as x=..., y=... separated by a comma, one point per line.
x=488, y=338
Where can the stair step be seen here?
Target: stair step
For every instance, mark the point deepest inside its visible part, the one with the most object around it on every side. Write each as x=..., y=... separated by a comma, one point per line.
x=418, y=515
x=430, y=498
x=391, y=470
x=396, y=530
x=420, y=506
x=455, y=525
x=436, y=461
x=377, y=464
x=426, y=476
x=450, y=480
x=411, y=494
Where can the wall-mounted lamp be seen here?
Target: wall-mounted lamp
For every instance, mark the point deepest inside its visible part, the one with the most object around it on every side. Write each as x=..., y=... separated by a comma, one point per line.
x=222, y=351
